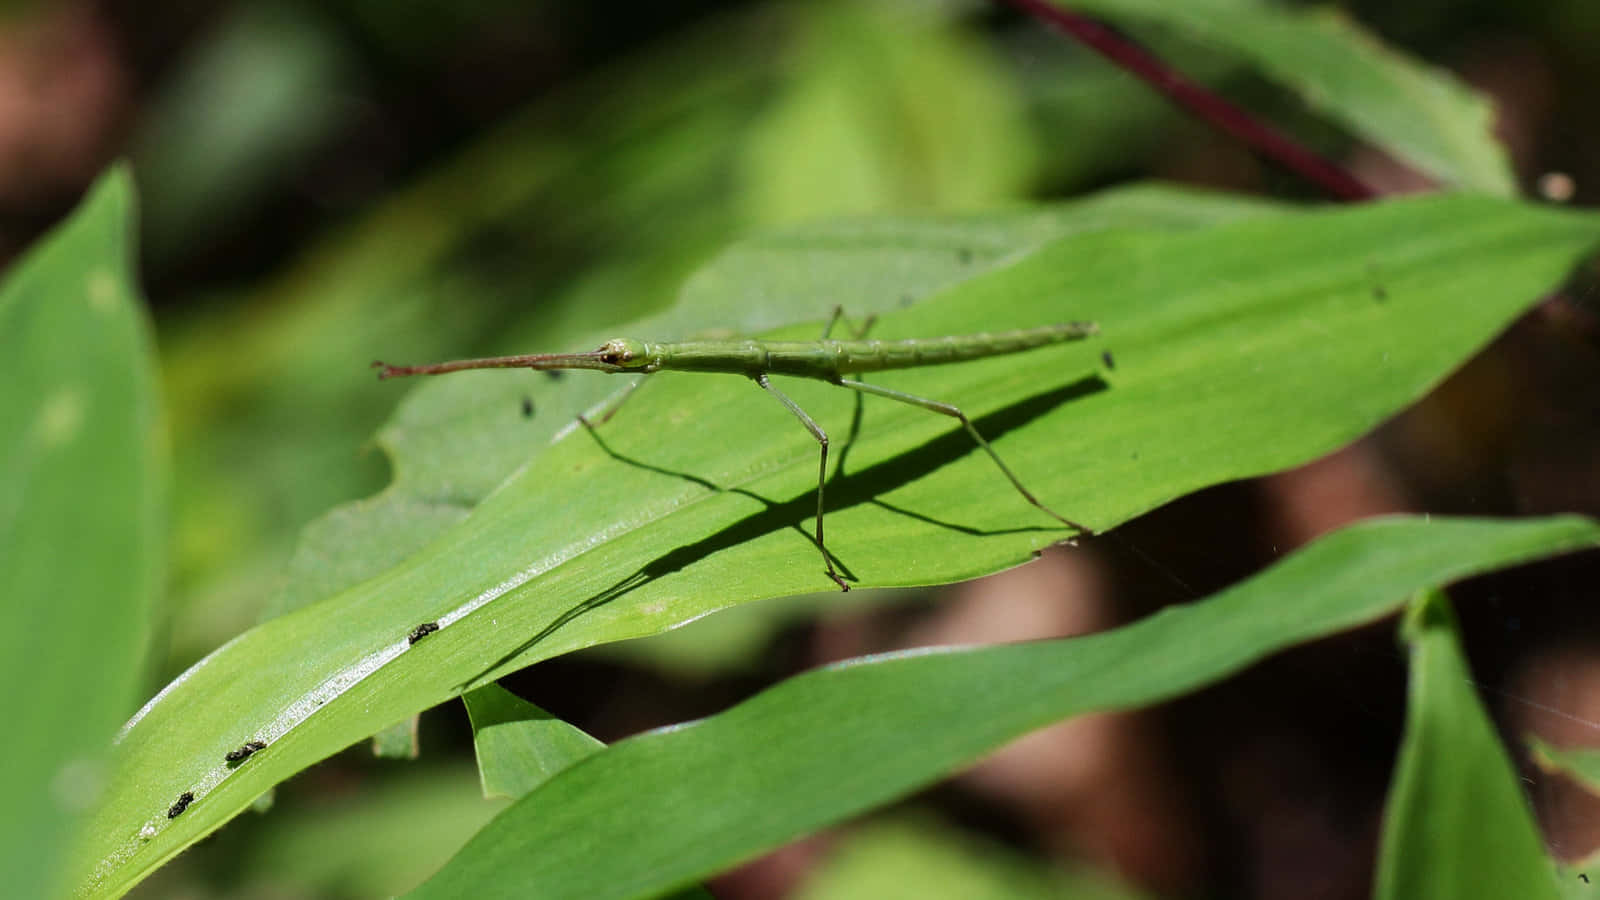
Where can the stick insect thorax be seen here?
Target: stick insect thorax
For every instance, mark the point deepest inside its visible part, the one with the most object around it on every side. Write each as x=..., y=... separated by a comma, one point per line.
x=825, y=360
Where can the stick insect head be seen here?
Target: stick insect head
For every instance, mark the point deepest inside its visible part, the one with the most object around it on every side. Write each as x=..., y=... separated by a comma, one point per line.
x=625, y=355
x=615, y=355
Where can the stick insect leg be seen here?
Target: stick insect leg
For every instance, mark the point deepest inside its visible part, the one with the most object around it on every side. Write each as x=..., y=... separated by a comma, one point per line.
x=822, y=467
x=955, y=413
x=855, y=420
x=611, y=405
x=838, y=315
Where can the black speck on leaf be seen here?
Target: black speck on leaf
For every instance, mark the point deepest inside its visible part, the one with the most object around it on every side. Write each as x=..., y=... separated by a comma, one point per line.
x=184, y=799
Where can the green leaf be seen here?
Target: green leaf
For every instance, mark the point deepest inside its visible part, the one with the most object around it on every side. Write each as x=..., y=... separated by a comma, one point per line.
x=1457, y=825
x=1581, y=764
x=669, y=807
x=520, y=745
x=1240, y=349
x=460, y=440
x=82, y=491
x=1421, y=114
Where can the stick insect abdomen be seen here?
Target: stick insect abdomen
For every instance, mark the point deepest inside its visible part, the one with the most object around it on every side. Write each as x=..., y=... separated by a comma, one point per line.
x=851, y=357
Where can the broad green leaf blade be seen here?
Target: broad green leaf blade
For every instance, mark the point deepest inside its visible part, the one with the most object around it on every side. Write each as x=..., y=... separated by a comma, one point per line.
x=520, y=745
x=82, y=488
x=1457, y=825
x=1240, y=349
x=668, y=807
x=1581, y=764
x=454, y=441
x=462, y=439
x=1421, y=114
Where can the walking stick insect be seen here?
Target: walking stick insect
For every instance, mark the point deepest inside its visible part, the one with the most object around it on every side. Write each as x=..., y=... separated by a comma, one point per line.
x=824, y=359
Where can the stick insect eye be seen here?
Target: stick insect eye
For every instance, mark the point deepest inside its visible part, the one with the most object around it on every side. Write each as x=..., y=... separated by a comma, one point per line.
x=621, y=352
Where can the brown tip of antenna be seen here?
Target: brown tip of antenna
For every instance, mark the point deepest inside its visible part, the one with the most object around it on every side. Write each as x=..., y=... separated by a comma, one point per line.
x=387, y=371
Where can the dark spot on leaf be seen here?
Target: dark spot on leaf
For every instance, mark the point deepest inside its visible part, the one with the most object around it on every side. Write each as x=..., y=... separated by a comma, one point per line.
x=184, y=799
x=527, y=407
x=964, y=255
x=1105, y=357
x=554, y=374
x=245, y=750
x=422, y=631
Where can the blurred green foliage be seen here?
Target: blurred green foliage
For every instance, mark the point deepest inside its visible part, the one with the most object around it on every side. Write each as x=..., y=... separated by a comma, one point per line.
x=916, y=857
x=82, y=503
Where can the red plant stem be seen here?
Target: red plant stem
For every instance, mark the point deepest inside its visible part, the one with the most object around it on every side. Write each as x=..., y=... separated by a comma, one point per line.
x=1199, y=100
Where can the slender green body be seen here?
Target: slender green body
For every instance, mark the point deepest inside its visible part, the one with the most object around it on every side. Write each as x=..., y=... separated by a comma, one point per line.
x=829, y=360
x=824, y=359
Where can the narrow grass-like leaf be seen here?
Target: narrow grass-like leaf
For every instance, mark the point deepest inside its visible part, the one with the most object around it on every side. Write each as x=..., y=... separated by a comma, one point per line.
x=1420, y=114
x=1457, y=825
x=669, y=807
x=1239, y=350
x=82, y=489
